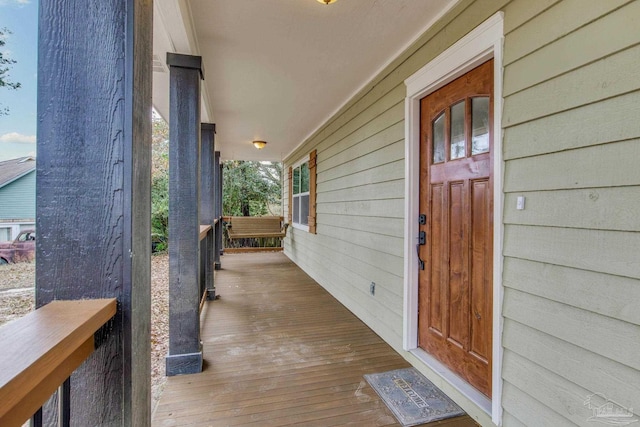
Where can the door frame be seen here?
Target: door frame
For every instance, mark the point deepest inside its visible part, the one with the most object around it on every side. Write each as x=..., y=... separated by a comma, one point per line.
x=478, y=46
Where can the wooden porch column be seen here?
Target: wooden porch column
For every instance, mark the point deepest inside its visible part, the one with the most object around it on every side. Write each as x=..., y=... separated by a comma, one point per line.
x=218, y=208
x=93, y=193
x=207, y=200
x=185, y=351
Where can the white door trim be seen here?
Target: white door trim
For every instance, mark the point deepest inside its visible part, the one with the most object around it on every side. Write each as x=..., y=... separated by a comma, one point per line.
x=481, y=44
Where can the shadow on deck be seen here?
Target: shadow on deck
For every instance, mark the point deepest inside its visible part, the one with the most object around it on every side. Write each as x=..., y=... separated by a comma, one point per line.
x=279, y=350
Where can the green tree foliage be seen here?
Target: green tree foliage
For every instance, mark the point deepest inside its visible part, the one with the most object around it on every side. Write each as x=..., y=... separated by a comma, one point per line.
x=5, y=64
x=251, y=188
x=160, y=183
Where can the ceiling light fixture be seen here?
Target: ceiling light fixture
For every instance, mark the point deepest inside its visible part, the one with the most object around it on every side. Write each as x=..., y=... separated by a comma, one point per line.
x=326, y=1
x=260, y=144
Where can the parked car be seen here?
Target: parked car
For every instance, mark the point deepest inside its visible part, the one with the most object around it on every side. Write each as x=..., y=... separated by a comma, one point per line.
x=22, y=249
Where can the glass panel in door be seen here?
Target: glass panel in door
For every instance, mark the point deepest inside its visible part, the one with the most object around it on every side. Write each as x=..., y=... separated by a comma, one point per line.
x=457, y=131
x=479, y=125
x=438, y=138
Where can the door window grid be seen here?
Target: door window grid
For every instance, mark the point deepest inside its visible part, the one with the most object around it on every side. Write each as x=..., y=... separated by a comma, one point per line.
x=459, y=118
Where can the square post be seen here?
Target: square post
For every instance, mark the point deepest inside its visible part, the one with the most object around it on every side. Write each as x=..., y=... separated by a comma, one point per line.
x=218, y=209
x=207, y=201
x=185, y=349
x=93, y=195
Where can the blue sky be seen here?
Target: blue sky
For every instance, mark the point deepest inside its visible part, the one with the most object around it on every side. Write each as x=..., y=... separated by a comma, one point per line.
x=18, y=129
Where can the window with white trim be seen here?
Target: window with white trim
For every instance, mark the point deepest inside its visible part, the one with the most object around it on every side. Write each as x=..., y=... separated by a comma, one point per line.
x=300, y=195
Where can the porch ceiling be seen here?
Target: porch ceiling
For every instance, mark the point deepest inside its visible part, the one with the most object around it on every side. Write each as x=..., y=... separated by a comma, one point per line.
x=276, y=70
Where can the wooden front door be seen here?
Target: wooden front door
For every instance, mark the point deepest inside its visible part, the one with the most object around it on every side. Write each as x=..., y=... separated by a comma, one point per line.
x=456, y=182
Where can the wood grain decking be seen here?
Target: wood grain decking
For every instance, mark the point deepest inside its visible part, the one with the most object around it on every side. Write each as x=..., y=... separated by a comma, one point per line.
x=279, y=350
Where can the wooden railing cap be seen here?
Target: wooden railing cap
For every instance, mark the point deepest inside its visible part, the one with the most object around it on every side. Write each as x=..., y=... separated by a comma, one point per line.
x=42, y=349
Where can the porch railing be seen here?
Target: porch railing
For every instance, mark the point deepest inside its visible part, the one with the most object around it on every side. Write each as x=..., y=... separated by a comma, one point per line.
x=207, y=247
x=39, y=353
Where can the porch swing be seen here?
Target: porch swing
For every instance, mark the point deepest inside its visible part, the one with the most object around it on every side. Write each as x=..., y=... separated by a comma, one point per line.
x=255, y=227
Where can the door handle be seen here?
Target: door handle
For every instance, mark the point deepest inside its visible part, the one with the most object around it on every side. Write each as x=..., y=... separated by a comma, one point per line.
x=422, y=239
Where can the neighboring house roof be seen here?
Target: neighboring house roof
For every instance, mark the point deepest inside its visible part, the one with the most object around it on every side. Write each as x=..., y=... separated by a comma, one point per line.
x=13, y=169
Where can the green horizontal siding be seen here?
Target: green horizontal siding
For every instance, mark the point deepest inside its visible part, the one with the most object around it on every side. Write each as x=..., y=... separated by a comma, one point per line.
x=571, y=271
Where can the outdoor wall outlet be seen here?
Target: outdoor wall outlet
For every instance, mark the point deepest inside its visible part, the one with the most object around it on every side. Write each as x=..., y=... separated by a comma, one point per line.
x=520, y=203
x=372, y=288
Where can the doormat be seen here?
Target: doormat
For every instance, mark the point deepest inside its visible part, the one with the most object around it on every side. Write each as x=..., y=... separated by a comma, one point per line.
x=412, y=398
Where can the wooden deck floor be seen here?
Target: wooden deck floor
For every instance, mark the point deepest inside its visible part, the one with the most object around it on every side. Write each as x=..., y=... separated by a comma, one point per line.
x=280, y=350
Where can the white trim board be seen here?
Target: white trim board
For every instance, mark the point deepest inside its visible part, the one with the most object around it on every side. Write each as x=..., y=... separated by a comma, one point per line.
x=481, y=44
